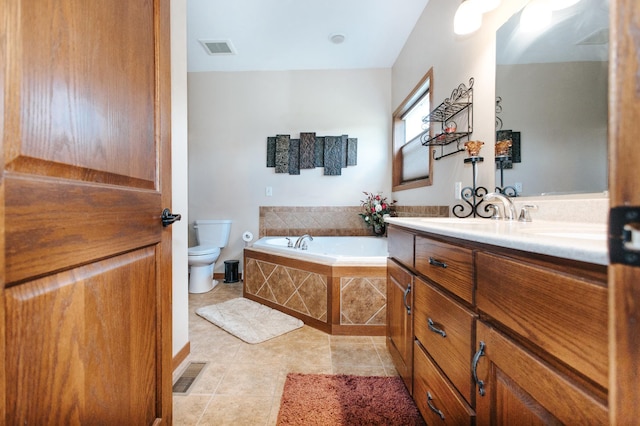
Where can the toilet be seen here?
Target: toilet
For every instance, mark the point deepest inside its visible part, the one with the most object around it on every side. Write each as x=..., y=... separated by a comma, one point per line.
x=211, y=236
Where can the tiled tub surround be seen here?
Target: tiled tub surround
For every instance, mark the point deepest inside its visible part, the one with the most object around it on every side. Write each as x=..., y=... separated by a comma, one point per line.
x=340, y=299
x=329, y=221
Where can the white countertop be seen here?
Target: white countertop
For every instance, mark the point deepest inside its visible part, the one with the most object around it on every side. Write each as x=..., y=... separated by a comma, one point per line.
x=586, y=242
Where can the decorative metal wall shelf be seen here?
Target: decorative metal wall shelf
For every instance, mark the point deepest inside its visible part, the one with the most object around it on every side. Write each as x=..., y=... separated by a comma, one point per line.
x=473, y=196
x=454, y=118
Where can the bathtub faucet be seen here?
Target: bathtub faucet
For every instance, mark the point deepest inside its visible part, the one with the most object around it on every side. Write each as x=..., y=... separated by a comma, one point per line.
x=300, y=240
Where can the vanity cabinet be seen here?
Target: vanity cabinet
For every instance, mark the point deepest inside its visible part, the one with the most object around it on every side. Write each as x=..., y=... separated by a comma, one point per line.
x=503, y=336
x=544, y=340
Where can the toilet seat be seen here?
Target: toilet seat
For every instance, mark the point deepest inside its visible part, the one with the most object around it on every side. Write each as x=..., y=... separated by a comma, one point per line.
x=203, y=250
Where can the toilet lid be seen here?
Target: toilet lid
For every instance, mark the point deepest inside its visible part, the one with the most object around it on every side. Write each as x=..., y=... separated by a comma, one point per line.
x=203, y=250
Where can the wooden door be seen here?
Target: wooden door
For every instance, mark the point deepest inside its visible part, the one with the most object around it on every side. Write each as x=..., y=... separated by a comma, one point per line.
x=624, y=188
x=85, y=324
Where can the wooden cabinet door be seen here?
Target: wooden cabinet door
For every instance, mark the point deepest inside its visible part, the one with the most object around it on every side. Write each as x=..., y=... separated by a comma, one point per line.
x=85, y=301
x=400, y=320
x=520, y=389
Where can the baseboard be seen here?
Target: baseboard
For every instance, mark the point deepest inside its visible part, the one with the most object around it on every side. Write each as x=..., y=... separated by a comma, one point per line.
x=181, y=356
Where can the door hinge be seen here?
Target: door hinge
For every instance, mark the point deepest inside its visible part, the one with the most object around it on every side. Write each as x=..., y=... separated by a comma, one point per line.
x=624, y=235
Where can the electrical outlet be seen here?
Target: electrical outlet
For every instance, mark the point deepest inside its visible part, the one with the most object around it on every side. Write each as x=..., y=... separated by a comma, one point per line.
x=518, y=187
x=458, y=191
x=268, y=191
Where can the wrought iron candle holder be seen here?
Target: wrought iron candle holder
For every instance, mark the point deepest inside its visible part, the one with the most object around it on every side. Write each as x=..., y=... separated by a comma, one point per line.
x=508, y=190
x=472, y=196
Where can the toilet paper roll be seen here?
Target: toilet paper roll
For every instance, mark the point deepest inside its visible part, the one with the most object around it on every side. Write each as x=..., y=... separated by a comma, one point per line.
x=247, y=236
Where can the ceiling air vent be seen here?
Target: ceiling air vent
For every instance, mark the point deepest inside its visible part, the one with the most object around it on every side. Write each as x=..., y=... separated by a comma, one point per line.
x=218, y=47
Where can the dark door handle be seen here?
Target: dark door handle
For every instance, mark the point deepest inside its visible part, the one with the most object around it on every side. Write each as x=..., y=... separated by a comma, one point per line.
x=168, y=218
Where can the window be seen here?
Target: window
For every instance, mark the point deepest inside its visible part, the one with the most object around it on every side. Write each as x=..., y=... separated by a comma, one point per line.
x=411, y=161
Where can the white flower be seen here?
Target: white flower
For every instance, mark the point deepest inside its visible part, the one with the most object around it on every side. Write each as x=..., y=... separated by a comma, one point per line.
x=378, y=208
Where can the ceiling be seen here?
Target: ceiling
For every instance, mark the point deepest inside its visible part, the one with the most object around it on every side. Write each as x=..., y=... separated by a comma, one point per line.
x=295, y=34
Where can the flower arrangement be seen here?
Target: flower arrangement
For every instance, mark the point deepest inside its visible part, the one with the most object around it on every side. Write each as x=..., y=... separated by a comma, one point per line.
x=374, y=209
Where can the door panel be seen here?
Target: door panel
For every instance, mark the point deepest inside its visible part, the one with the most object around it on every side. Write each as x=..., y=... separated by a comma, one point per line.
x=51, y=229
x=85, y=97
x=74, y=341
x=86, y=291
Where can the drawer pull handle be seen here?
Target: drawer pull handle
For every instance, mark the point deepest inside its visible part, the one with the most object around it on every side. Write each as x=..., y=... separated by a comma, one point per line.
x=474, y=368
x=436, y=262
x=433, y=407
x=404, y=299
x=435, y=329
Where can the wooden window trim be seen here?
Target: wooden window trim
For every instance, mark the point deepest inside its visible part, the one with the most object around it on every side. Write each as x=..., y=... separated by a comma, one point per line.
x=398, y=138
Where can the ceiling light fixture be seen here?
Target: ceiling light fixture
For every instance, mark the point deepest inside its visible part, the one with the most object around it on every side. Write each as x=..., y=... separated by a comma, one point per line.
x=560, y=4
x=337, y=38
x=536, y=16
x=467, y=18
x=485, y=6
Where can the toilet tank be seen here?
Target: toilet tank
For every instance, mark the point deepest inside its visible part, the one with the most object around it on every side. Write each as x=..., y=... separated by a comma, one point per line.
x=212, y=232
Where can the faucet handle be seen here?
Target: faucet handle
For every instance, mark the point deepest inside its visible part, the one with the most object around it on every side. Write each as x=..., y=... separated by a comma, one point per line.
x=496, y=212
x=524, y=212
x=289, y=243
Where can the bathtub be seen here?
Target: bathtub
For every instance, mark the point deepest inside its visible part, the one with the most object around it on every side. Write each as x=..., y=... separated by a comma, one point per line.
x=331, y=250
x=337, y=285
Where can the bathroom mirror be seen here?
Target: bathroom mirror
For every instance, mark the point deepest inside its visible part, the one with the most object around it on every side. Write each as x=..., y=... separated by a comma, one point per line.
x=551, y=89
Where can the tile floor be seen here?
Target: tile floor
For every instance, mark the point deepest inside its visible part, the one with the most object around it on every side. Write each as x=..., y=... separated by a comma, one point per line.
x=242, y=384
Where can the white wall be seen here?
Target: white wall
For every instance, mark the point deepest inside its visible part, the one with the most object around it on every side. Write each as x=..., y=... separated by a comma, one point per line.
x=232, y=114
x=179, y=163
x=454, y=59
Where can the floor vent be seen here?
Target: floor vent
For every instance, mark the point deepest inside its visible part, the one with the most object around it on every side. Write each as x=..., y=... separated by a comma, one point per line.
x=188, y=377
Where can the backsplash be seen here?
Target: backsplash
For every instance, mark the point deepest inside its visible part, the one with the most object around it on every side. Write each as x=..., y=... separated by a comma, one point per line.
x=586, y=209
x=329, y=221
x=346, y=221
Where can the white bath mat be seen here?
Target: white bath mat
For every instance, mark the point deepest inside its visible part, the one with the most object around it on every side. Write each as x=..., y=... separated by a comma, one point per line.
x=249, y=320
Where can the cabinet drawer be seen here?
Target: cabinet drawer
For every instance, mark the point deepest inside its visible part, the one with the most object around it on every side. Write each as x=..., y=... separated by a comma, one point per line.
x=563, y=314
x=448, y=265
x=449, y=338
x=437, y=400
x=400, y=246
